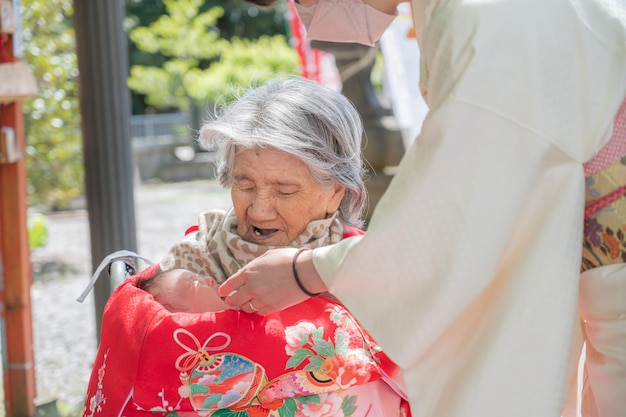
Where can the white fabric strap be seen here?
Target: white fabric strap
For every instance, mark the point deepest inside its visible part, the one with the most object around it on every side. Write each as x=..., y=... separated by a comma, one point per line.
x=126, y=256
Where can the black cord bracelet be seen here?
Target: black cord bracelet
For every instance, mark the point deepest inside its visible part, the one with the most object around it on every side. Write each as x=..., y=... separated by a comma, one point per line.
x=295, y=274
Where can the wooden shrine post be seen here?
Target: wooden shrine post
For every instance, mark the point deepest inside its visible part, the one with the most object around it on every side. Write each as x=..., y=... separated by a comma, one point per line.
x=15, y=268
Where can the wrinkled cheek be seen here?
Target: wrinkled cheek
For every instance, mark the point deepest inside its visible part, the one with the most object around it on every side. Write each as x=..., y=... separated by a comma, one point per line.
x=240, y=207
x=241, y=203
x=242, y=229
x=294, y=231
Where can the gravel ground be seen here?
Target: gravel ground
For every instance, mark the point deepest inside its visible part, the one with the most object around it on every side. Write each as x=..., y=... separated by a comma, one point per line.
x=63, y=329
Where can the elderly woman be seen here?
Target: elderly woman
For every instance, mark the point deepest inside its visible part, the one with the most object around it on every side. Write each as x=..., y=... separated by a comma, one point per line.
x=290, y=154
x=289, y=151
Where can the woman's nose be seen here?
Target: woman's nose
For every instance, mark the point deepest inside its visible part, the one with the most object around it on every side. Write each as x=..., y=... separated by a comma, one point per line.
x=262, y=208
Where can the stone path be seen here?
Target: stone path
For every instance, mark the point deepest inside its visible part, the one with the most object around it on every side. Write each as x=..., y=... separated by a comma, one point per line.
x=63, y=329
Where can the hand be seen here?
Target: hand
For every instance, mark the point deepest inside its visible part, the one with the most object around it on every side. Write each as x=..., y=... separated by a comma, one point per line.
x=267, y=284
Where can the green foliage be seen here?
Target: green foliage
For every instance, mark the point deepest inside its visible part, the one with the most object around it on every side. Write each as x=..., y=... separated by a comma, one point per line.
x=201, y=65
x=37, y=230
x=245, y=20
x=183, y=32
x=244, y=63
x=183, y=51
x=53, y=138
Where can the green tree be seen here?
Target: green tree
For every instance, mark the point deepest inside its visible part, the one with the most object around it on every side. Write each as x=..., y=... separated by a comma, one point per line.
x=245, y=20
x=195, y=57
x=53, y=138
x=201, y=65
x=142, y=13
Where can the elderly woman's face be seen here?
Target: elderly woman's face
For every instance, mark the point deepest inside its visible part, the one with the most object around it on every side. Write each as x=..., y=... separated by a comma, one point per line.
x=275, y=197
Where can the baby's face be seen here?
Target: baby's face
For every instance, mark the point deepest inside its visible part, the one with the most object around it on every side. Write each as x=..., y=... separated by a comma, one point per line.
x=184, y=291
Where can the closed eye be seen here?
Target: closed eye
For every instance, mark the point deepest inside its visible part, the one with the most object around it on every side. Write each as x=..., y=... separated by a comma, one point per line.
x=286, y=189
x=286, y=193
x=244, y=185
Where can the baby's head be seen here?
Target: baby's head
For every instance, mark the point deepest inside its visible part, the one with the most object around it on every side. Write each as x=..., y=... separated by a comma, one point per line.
x=180, y=290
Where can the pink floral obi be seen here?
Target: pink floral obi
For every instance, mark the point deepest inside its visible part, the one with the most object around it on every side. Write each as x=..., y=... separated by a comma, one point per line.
x=605, y=207
x=312, y=359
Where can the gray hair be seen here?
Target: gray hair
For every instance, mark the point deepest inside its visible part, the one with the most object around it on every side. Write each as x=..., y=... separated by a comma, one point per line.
x=312, y=122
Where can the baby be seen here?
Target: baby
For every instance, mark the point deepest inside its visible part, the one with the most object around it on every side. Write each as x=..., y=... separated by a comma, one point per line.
x=182, y=291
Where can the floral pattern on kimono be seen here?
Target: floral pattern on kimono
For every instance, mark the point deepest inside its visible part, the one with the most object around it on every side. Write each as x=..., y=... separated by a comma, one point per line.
x=604, y=240
x=312, y=359
x=320, y=369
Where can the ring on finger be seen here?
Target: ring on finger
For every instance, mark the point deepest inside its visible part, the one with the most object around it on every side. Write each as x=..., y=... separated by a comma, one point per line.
x=254, y=309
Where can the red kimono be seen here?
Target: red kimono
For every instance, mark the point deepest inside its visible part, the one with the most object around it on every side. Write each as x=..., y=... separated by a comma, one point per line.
x=312, y=359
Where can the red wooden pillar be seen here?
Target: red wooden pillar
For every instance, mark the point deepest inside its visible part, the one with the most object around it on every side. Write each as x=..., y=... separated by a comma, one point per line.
x=15, y=267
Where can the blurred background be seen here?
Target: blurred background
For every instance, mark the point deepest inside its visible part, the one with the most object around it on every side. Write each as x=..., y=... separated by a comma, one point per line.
x=107, y=159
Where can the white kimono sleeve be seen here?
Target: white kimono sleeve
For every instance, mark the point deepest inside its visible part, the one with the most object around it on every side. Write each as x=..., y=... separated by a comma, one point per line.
x=468, y=275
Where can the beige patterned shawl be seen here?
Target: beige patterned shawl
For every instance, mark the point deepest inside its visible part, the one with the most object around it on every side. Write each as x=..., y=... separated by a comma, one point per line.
x=217, y=250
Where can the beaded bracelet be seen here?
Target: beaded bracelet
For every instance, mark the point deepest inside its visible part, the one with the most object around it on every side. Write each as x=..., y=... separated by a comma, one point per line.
x=295, y=274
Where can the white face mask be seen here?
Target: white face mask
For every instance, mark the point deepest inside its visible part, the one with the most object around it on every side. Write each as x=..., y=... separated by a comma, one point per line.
x=344, y=21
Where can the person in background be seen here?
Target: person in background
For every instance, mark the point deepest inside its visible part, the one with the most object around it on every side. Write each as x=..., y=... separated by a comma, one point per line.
x=470, y=273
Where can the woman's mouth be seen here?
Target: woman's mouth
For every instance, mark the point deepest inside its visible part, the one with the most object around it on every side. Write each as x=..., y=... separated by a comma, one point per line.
x=262, y=234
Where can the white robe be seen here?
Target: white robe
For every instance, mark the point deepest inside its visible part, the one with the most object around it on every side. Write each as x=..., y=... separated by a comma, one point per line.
x=469, y=273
